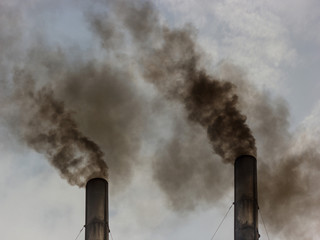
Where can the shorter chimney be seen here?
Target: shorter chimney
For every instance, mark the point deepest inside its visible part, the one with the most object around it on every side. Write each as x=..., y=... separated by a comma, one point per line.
x=246, y=198
x=97, y=222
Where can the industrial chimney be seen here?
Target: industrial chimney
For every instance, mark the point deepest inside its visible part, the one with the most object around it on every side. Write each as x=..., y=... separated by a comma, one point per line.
x=97, y=222
x=246, y=198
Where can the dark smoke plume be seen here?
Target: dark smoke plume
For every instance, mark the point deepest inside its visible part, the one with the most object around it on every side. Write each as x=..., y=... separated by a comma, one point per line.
x=209, y=102
x=205, y=118
x=171, y=60
x=174, y=68
x=50, y=129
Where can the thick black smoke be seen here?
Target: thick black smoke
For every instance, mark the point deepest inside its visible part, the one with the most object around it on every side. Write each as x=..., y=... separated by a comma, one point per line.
x=84, y=112
x=209, y=102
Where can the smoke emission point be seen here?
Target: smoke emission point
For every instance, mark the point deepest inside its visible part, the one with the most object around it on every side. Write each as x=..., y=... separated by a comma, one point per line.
x=245, y=198
x=97, y=211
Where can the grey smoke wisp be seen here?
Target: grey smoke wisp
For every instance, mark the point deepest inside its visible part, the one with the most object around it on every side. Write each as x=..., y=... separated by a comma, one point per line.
x=85, y=112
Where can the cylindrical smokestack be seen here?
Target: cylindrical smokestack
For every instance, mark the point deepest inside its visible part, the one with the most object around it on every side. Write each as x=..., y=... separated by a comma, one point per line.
x=97, y=222
x=246, y=198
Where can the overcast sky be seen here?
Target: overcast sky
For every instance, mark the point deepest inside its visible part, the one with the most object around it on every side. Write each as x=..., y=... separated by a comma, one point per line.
x=276, y=46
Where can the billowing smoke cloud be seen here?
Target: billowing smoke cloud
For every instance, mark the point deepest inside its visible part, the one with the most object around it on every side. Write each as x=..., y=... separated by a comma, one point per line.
x=90, y=101
x=209, y=102
x=49, y=129
x=171, y=60
x=174, y=68
x=59, y=130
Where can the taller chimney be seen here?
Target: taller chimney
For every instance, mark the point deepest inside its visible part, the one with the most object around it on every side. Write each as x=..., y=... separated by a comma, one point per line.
x=97, y=222
x=246, y=198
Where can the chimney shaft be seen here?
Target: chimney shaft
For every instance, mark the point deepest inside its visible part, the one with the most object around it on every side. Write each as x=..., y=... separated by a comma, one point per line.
x=97, y=222
x=246, y=198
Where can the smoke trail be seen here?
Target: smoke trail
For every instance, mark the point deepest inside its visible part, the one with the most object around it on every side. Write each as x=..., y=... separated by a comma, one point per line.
x=174, y=68
x=80, y=112
x=103, y=98
x=209, y=102
x=171, y=60
x=95, y=106
x=49, y=128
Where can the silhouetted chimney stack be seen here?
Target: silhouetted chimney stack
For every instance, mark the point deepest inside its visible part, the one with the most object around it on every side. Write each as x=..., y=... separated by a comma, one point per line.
x=97, y=222
x=246, y=198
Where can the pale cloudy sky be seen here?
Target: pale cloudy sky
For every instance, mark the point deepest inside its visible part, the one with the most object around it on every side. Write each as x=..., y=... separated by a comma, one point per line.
x=276, y=44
